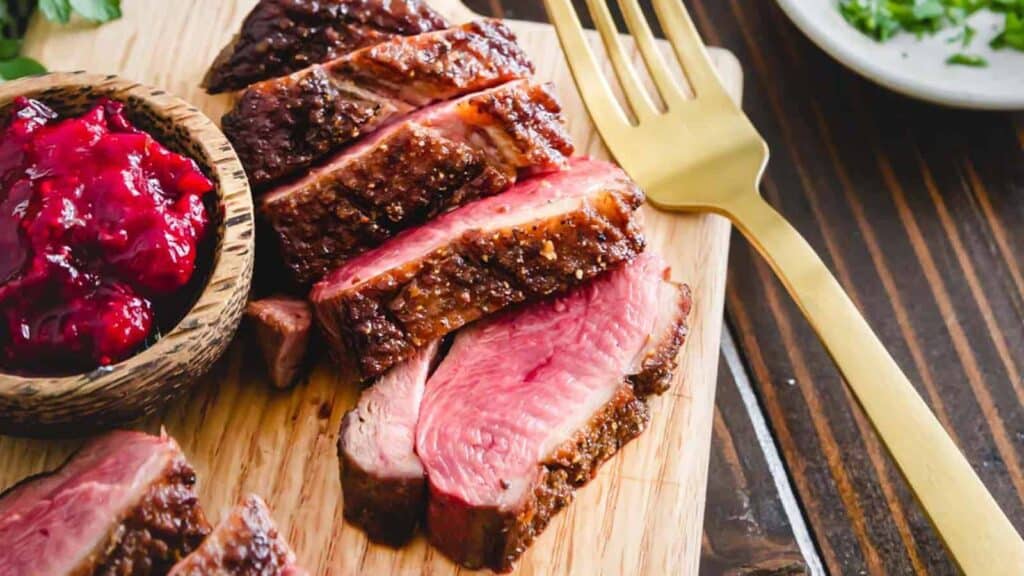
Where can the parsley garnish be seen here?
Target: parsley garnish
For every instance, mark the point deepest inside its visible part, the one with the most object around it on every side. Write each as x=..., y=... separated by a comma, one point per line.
x=14, y=17
x=962, y=59
x=1012, y=35
x=883, y=19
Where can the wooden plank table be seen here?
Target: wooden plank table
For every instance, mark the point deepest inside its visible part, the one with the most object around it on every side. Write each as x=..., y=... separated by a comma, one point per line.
x=920, y=212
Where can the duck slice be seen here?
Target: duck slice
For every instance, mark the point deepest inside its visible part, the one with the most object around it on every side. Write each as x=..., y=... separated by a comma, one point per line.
x=282, y=36
x=409, y=172
x=527, y=405
x=246, y=543
x=543, y=236
x=381, y=478
x=123, y=504
x=283, y=327
x=281, y=126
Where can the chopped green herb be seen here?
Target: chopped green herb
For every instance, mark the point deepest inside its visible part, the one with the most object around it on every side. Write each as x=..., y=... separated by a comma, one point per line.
x=964, y=37
x=1012, y=35
x=883, y=19
x=1008, y=5
x=928, y=10
x=962, y=59
x=968, y=36
x=870, y=17
x=94, y=10
x=14, y=16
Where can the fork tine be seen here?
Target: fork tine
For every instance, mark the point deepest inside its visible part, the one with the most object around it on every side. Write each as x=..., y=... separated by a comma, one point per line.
x=593, y=86
x=683, y=35
x=670, y=91
x=635, y=92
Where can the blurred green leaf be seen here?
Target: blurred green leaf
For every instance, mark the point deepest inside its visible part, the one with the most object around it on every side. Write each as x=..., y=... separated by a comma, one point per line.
x=98, y=10
x=9, y=48
x=56, y=10
x=14, y=15
x=18, y=67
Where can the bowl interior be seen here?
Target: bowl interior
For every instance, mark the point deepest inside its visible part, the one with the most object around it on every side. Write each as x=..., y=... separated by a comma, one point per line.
x=48, y=405
x=146, y=110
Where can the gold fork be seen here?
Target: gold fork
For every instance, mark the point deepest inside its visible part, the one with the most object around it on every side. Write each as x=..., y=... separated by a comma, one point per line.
x=703, y=154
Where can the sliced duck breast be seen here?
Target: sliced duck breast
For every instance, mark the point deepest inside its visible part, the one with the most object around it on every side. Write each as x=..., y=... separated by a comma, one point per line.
x=543, y=236
x=283, y=328
x=283, y=125
x=527, y=405
x=123, y=504
x=245, y=543
x=409, y=172
x=382, y=480
x=282, y=36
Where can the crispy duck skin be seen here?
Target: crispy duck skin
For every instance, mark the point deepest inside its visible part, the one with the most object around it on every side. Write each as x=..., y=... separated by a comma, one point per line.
x=245, y=543
x=544, y=236
x=279, y=37
x=412, y=171
x=284, y=125
x=384, y=481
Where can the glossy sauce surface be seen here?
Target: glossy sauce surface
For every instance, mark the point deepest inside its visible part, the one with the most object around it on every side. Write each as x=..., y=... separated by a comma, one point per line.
x=99, y=225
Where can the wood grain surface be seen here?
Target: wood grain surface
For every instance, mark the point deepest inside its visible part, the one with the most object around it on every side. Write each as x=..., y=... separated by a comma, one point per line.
x=747, y=530
x=643, y=513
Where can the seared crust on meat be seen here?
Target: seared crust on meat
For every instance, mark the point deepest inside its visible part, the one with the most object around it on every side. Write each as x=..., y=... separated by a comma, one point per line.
x=413, y=175
x=283, y=125
x=494, y=539
x=660, y=363
x=382, y=478
x=489, y=538
x=528, y=121
x=279, y=126
x=388, y=509
x=281, y=36
x=412, y=178
x=433, y=65
x=246, y=543
x=384, y=320
x=164, y=527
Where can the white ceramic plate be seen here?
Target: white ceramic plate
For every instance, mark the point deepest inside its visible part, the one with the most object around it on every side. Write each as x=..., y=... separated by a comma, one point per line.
x=916, y=67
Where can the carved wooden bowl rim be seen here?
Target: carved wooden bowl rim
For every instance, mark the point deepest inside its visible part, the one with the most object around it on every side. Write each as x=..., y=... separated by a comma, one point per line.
x=139, y=385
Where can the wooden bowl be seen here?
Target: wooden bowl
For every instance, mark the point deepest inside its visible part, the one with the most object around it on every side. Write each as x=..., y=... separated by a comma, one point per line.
x=136, y=387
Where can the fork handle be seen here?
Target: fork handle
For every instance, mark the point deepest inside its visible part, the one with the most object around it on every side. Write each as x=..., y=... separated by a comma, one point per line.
x=975, y=530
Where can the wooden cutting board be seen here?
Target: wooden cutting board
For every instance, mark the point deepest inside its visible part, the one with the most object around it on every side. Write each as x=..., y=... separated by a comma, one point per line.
x=641, y=515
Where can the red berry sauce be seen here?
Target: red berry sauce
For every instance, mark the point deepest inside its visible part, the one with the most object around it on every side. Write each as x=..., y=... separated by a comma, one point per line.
x=99, y=227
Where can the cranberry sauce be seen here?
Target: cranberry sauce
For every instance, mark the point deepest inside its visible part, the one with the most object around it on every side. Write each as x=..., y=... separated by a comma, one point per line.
x=99, y=226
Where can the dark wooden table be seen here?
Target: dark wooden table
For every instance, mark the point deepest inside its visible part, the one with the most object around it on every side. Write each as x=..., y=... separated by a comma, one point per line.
x=919, y=210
